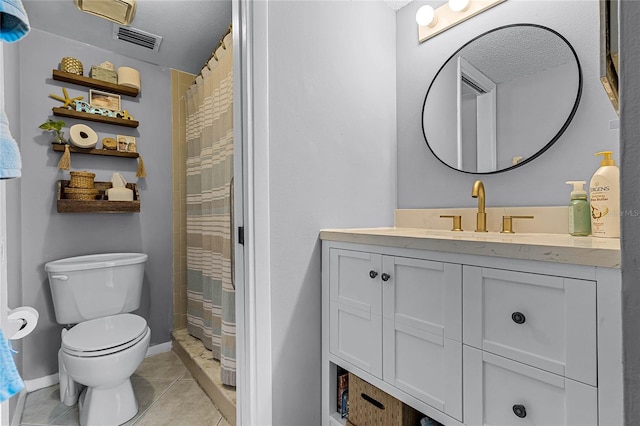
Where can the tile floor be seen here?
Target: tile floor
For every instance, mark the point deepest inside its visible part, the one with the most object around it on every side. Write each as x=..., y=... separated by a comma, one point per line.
x=167, y=395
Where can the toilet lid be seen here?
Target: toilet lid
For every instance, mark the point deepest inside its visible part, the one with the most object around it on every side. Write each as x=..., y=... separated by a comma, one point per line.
x=101, y=334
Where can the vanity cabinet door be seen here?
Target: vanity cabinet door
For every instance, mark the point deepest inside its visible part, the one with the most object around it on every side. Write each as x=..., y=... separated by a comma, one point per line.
x=544, y=321
x=422, y=321
x=356, y=309
x=502, y=392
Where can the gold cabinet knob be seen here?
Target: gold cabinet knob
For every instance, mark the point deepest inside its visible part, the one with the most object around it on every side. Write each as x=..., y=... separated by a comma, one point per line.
x=507, y=223
x=457, y=221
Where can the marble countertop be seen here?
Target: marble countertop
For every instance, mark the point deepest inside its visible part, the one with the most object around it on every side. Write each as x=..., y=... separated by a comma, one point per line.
x=558, y=248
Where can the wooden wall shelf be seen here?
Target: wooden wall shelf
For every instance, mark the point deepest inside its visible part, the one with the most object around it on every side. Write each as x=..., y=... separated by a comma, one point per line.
x=58, y=147
x=64, y=205
x=72, y=113
x=93, y=83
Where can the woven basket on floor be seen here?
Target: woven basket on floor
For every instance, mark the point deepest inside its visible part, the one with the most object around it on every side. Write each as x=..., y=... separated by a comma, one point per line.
x=81, y=193
x=71, y=65
x=81, y=180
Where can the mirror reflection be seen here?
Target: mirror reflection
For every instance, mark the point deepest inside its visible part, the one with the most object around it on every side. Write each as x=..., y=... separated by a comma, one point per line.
x=502, y=99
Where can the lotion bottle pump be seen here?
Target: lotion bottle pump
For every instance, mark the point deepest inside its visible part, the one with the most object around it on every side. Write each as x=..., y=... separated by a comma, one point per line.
x=604, y=191
x=579, y=213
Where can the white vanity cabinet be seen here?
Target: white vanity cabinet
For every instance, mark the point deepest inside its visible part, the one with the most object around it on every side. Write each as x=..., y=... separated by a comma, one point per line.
x=390, y=314
x=472, y=339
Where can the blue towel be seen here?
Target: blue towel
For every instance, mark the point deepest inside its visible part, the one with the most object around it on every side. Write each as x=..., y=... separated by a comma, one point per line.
x=14, y=23
x=10, y=381
x=10, y=163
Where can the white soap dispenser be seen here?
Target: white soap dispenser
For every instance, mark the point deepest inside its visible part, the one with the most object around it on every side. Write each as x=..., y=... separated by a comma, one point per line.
x=604, y=191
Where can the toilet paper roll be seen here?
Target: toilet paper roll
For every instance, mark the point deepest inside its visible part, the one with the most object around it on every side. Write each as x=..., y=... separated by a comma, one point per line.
x=83, y=136
x=28, y=316
x=129, y=77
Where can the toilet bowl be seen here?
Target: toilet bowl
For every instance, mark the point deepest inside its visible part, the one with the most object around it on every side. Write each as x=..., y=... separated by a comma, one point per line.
x=107, y=343
x=102, y=354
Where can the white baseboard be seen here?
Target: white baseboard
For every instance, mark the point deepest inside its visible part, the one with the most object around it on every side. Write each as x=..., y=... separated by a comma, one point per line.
x=158, y=349
x=41, y=383
x=17, y=414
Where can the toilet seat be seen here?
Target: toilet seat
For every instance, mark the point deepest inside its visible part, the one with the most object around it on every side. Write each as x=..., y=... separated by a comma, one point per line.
x=103, y=336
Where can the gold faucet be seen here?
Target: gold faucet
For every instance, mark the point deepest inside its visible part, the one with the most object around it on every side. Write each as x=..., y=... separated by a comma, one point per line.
x=481, y=216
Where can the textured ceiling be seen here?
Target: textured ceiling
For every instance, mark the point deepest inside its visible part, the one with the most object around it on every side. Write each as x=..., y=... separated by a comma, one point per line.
x=190, y=29
x=513, y=52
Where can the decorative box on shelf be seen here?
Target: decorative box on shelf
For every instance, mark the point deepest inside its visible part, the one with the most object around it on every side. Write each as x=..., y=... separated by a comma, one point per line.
x=100, y=204
x=104, y=74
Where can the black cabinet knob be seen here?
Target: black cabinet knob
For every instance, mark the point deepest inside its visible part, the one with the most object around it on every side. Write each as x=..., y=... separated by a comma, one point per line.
x=385, y=276
x=518, y=317
x=373, y=274
x=520, y=411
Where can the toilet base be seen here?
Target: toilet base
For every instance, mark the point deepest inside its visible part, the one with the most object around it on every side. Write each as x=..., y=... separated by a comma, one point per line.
x=108, y=406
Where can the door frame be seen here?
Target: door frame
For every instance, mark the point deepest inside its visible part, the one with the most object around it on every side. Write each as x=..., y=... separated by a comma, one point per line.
x=251, y=194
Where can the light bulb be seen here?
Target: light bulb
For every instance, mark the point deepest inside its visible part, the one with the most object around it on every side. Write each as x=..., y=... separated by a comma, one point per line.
x=426, y=16
x=459, y=5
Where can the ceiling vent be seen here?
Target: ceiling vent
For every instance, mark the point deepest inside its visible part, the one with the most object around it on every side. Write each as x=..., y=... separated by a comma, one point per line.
x=120, y=11
x=137, y=37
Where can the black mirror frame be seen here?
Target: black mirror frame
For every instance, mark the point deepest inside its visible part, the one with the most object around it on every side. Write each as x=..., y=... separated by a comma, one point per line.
x=553, y=140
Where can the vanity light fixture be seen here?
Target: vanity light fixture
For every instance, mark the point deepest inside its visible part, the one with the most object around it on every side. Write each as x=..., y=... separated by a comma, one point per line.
x=459, y=5
x=449, y=15
x=426, y=16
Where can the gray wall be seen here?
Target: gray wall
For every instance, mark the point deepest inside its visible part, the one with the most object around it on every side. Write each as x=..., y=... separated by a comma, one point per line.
x=47, y=235
x=630, y=202
x=541, y=182
x=332, y=164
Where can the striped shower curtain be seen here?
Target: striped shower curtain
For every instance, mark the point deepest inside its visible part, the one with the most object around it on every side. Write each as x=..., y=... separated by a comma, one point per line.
x=210, y=292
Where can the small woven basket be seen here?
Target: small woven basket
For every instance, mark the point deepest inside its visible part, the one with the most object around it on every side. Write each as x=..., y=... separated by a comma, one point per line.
x=71, y=65
x=81, y=193
x=82, y=180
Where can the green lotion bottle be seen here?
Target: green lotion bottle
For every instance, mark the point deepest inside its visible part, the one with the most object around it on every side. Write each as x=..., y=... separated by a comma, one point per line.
x=579, y=212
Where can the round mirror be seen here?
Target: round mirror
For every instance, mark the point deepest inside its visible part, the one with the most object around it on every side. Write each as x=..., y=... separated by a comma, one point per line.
x=502, y=99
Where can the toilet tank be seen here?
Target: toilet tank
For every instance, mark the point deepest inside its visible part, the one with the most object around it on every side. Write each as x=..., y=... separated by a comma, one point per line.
x=95, y=286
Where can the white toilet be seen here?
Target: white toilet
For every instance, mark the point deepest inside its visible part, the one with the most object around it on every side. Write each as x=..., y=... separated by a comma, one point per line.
x=107, y=343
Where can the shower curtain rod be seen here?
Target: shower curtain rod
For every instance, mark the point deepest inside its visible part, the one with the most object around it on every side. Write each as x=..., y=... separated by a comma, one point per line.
x=213, y=54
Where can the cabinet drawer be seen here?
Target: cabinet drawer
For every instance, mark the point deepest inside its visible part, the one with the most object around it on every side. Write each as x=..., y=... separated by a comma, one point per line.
x=543, y=321
x=499, y=391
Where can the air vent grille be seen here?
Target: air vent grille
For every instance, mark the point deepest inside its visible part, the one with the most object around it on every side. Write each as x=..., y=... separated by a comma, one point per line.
x=137, y=37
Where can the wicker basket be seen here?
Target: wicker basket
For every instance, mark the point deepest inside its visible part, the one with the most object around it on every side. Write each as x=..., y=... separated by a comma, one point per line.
x=81, y=193
x=370, y=406
x=82, y=180
x=71, y=65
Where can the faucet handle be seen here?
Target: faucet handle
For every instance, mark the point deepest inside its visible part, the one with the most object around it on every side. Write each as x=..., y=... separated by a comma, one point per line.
x=507, y=223
x=457, y=221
